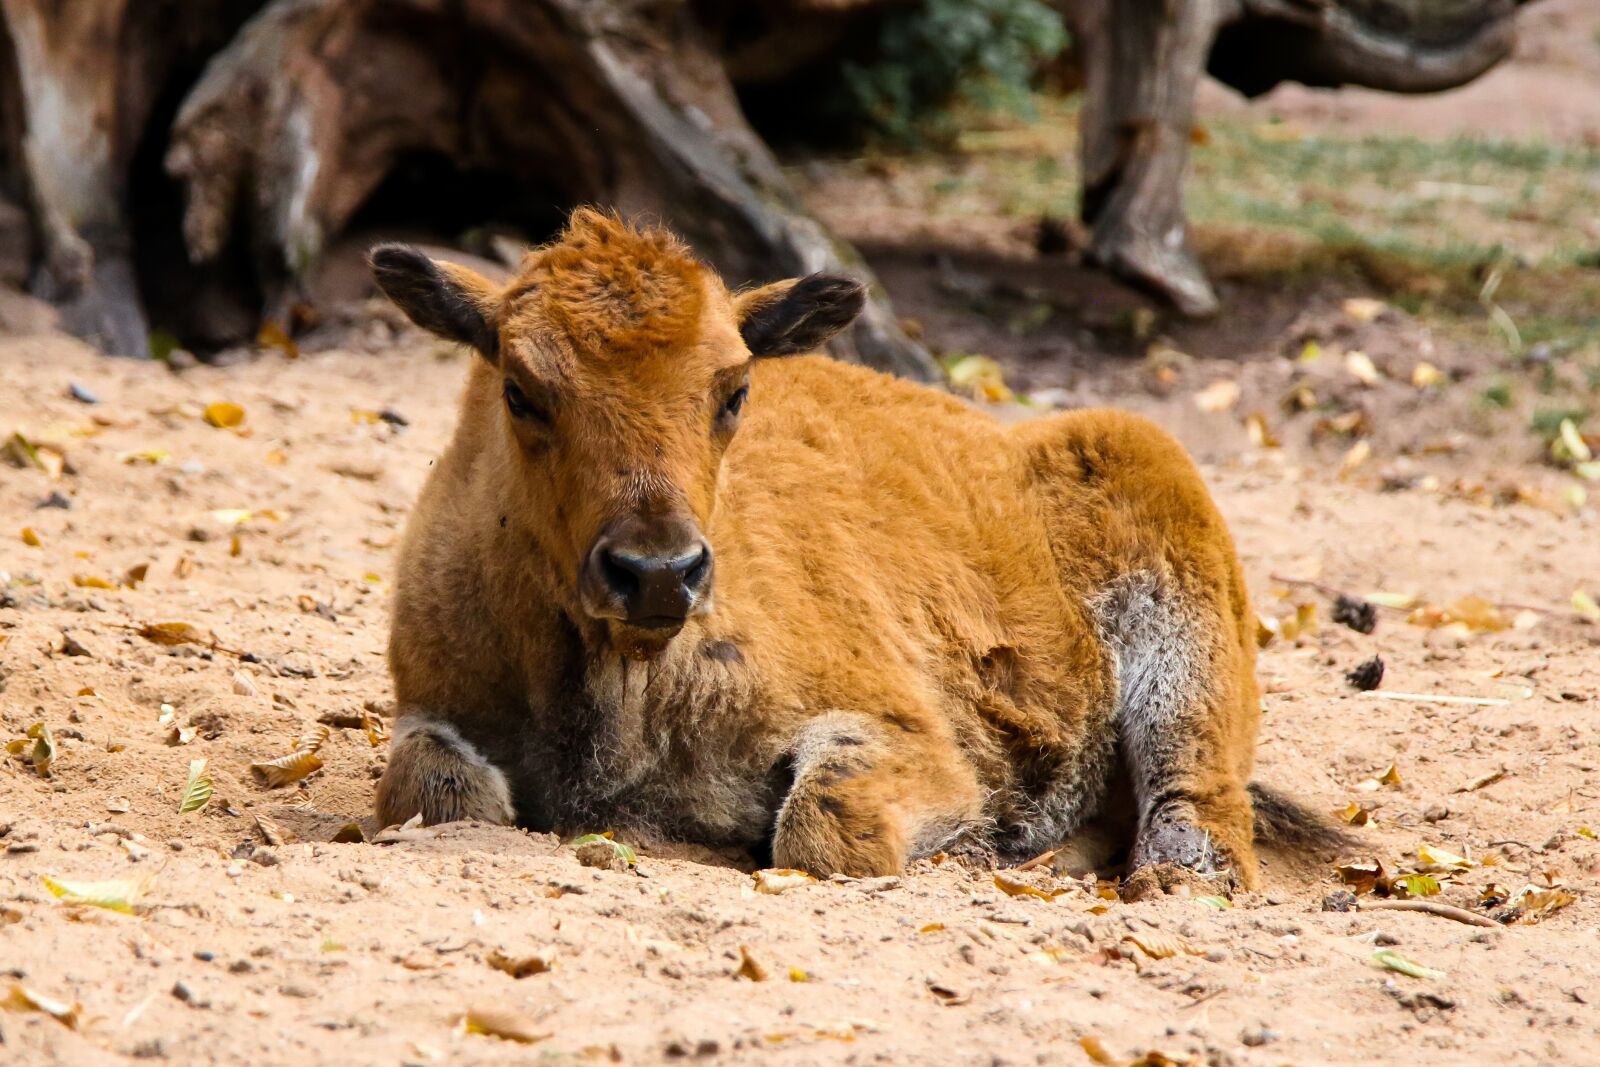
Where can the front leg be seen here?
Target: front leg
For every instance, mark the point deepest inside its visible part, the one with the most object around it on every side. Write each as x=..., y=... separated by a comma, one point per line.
x=436, y=772
x=870, y=794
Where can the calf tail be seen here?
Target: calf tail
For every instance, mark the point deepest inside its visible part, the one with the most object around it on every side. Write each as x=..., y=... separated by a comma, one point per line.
x=1284, y=821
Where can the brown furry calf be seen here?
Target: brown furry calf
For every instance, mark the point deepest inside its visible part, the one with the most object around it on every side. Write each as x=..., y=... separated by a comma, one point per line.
x=674, y=573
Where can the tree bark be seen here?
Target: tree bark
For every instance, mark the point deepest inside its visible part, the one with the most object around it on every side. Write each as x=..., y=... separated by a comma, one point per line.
x=1142, y=61
x=623, y=103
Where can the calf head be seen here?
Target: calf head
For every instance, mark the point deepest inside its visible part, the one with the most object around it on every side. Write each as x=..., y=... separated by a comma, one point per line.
x=617, y=367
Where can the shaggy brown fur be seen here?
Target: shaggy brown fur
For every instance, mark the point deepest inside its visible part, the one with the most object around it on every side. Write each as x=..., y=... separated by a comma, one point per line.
x=923, y=628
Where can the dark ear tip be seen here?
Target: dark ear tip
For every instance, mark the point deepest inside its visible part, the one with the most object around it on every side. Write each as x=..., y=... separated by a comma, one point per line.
x=392, y=257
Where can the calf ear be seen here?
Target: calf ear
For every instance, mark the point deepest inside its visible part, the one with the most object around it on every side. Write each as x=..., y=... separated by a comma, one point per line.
x=798, y=315
x=442, y=298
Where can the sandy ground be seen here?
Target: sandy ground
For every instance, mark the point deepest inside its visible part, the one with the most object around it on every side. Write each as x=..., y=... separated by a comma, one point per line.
x=314, y=952
x=277, y=537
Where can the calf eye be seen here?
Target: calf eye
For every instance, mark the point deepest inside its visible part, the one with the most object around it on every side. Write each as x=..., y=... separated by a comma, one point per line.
x=520, y=406
x=732, y=405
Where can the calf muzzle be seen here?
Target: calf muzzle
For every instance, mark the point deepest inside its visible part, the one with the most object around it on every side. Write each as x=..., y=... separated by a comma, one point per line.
x=650, y=583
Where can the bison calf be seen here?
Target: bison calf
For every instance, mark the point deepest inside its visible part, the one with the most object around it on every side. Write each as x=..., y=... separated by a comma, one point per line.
x=675, y=573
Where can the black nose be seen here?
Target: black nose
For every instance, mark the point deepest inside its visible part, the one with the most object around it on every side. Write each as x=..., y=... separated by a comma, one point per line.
x=654, y=590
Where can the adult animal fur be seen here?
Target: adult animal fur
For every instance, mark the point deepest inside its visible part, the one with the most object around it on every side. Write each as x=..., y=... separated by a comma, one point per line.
x=674, y=573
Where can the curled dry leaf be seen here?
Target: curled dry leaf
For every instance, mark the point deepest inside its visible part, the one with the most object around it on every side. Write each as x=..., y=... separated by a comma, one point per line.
x=1484, y=780
x=311, y=741
x=749, y=968
x=174, y=633
x=502, y=1023
x=1355, y=814
x=1441, y=858
x=43, y=753
x=197, y=791
x=1013, y=888
x=947, y=994
x=522, y=966
x=223, y=414
x=372, y=724
x=285, y=769
x=120, y=894
x=1535, y=905
x=1392, y=960
x=351, y=833
x=1161, y=946
x=270, y=831
x=21, y=998
x=1363, y=877
x=777, y=880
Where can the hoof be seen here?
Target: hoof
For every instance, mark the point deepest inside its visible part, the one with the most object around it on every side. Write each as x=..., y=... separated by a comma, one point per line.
x=1159, y=880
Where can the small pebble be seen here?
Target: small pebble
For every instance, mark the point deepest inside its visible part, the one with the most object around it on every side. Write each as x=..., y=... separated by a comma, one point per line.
x=56, y=499
x=82, y=394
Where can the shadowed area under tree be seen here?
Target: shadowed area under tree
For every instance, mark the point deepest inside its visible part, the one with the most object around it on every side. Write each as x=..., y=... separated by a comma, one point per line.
x=252, y=134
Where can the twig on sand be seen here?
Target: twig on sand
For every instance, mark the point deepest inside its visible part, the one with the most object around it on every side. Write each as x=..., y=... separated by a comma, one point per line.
x=1038, y=861
x=1435, y=698
x=1428, y=907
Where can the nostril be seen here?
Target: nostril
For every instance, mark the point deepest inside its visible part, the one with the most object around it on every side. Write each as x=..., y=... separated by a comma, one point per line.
x=699, y=569
x=620, y=575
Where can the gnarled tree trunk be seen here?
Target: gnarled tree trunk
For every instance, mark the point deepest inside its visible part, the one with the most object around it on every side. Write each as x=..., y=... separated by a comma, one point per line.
x=622, y=103
x=1142, y=63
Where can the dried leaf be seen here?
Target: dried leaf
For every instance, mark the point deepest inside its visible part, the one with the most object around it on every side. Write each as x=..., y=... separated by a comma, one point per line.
x=43, y=754
x=153, y=457
x=91, y=581
x=1218, y=396
x=1013, y=888
x=1215, y=903
x=1358, y=454
x=1361, y=368
x=120, y=894
x=173, y=633
x=1535, y=905
x=224, y=415
x=979, y=377
x=372, y=724
x=21, y=998
x=1354, y=814
x=1400, y=601
x=273, y=335
x=947, y=994
x=1438, y=857
x=1585, y=605
x=1425, y=374
x=502, y=1023
x=777, y=880
x=311, y=741
x=31, y=538
x=1261, y=435
x=197, y=791
x=285, y=769
x=749, y=968
x=1483, y=780
x=798, y=975
x=1159, y=945
x=135, y=575
x=1389, y=958
x=1364, y=877
x=522, y=966
x=270, y=831
x=1576, y=448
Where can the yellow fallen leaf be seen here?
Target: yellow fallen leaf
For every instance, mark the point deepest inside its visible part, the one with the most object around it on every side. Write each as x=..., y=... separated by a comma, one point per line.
x=980, y=377
x=1261, y=435
x=197, y=792
x=173, y=633
x=502, y=1023
x=1358, y=454
x=1354, y=814
x=119, y=894
x=224, y=415
x=1013, y=888
x=522, y=966
x=1159, y=945
x=1402, y=601
x=1425, y=374
x=780, y=880
x=149, y=456
x=90, y=581
x=1535, y=905
x=285, y=769
x=1361, y=368
x=1577, y=449
x=749, y=968
x=232, y=516
x=21, y=998
x=1585, y=605
x=43, y=753
x=1438, y=857
x=273, y=335
x=31, y=538
x=1309, y=353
